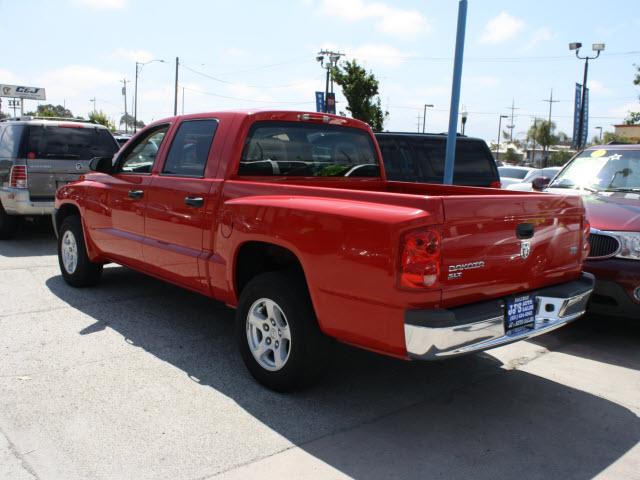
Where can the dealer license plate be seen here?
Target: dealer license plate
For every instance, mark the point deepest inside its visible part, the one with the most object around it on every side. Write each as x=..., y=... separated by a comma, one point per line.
x=521, y=311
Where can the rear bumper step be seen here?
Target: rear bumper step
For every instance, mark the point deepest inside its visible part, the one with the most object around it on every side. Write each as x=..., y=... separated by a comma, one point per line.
x=439, y=333
x=16, y=201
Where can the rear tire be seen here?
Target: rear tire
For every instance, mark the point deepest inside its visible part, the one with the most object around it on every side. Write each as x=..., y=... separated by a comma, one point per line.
x=77, y=270
x=8, y=224
x=277, y=331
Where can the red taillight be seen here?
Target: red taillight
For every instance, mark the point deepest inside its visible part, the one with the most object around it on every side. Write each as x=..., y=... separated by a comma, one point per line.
x=420, y=258
x=586, y=246
x=18, y=177
x=495, y=184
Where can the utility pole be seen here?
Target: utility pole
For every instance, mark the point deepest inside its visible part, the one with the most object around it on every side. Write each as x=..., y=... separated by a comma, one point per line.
x=126, y=115
x=512, y=126
x=175, y=98
x=533, y=152
x=499, y=135
x=419, y=118
x=93, y=100
x=424, y=116
x=333, y=58
x=551, y=102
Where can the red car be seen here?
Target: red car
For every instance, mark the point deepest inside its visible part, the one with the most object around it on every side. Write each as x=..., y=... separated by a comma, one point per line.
x=608, y=177
x=288, y=216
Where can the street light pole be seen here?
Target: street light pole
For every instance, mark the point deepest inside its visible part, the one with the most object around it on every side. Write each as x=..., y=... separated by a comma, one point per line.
x=499, y=134
x=596, y=47
x=139, y=66
x=464, y=115
x=424, y=117
x=600, y=136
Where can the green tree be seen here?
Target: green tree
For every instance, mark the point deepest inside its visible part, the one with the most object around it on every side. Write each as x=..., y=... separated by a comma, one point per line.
x=361, y=91
x=50, y=110
x=510, y=156
x=558, y=158
x=613, y=137
x=634, y=117
x=541, y=132
x=101, y=118
x=127, y=120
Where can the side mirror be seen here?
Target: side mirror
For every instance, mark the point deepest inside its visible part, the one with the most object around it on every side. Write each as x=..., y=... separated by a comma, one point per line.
x=540, y=183
x=101, y=164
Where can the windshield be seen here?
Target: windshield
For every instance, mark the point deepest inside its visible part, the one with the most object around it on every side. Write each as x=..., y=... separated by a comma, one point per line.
x=602, y=170
x=519, y=173
x=291, y=148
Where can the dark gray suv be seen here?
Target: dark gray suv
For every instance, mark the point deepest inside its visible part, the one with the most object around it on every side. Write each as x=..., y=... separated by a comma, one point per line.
x=37, y=156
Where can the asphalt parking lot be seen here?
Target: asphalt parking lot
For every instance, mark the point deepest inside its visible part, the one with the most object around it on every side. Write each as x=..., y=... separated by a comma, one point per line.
x=139, y=379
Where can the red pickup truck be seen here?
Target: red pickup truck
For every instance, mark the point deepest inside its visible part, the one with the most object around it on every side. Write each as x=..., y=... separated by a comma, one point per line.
x=288, y=217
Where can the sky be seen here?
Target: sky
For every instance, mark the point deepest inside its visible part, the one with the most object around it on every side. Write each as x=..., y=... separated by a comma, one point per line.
x=250, y=54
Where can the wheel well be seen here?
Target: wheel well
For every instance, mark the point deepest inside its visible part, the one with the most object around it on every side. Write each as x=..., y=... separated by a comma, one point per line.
x=255, y=258
x=65, y=211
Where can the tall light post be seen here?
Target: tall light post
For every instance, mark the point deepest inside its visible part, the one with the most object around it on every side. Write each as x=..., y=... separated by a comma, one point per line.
x=463, y=118
x=332, y=58
x=139, y=66
x=600, y=136
x=499, y=135
x=596, y=47
x=424, y=117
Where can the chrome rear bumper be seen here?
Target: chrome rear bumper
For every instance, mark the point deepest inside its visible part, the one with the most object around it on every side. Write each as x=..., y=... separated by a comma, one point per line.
x=16, y=201
x=435, y=334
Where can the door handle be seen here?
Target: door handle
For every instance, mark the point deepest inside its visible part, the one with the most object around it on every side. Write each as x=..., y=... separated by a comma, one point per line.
x=196, y=202
x=136, y=194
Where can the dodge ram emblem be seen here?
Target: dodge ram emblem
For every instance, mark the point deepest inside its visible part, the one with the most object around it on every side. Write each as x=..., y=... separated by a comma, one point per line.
x=525, y=249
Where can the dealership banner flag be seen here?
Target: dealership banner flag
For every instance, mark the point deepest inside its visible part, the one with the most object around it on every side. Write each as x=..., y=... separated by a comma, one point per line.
x=319, y=101
x=576, y=116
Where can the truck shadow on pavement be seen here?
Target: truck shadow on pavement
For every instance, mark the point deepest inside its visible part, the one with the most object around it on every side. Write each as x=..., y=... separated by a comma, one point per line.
x=374, y=417
x=33, y=239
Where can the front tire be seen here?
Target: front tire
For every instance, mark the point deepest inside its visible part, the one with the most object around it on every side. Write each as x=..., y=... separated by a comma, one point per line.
x=77, y=270
x=277, y=331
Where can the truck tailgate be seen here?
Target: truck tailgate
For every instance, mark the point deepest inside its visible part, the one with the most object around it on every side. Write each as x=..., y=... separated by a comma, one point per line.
x=494, y=245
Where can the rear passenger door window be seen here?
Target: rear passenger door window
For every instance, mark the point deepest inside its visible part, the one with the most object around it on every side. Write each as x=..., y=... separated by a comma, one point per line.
x=141, y=156
x=190, y=148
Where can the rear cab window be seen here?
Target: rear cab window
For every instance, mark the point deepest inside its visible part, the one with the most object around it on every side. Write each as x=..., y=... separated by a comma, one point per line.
x=421, y=159
x=69, y=143
x=308, y=150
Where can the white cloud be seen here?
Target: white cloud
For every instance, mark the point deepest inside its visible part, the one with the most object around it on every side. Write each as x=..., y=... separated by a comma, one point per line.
x=501, y=28
x=132, y=55
x=8, y=77
x=538, y=37
x=74, y=79
x=597, y=87
x=622, y=111
x=101, y=4
x=387, y=19
x=480, y=81
x=385, y=55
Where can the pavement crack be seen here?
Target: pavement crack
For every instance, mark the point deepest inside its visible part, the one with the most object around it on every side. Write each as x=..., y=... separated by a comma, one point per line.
x=21, y=457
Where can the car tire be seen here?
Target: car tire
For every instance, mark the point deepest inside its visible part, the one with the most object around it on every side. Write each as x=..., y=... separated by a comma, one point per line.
x=8, y=224
x=277, y=332
x=77, y=270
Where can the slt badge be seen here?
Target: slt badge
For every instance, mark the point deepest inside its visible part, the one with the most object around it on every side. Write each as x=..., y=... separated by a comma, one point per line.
x=525, y=248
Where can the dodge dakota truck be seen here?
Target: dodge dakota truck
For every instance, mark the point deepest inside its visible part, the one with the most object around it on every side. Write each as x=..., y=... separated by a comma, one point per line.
x=289, y=218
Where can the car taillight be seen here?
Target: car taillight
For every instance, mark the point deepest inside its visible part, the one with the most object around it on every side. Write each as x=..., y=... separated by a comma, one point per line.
x=586, y=231
x=420, y=259
x=18, y=177
x=495, y=184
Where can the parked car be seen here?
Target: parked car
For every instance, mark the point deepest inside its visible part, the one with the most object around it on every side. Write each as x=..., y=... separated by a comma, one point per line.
x=608, y=178
x=39, y=155
x=542, y=173
x=514, y=174
x=416, y=157
x=122, y=138
x=256, y=209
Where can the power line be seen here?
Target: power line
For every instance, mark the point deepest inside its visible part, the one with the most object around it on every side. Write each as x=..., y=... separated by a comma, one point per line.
x=272, y=102
x=226, y=82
